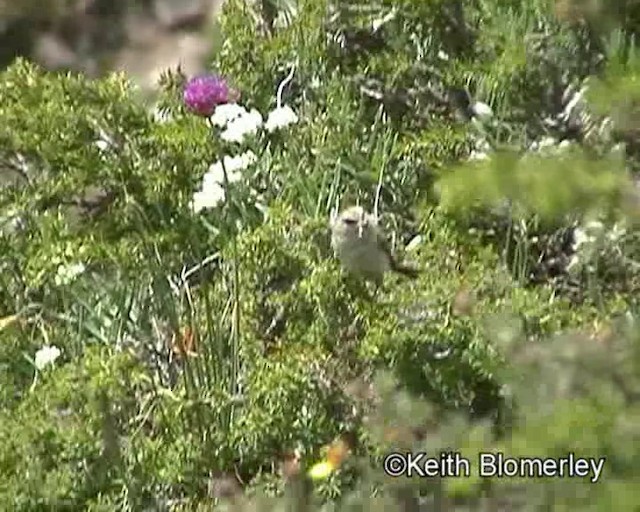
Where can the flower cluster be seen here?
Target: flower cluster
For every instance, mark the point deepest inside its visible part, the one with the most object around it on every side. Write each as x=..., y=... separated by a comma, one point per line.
x=67, y=273
x=481, y=114
x=210, y=96
x=46, y=356
x=212, y=191
x=335, y=455
x=203, y=94
x=481, y=151
x=481, y=110
x=237, y=121
x=546, y=146
x=593, y=236
x=280, y=117
x=549, y=146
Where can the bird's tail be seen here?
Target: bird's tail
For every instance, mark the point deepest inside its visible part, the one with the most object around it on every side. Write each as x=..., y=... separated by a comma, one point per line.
x=405, y=270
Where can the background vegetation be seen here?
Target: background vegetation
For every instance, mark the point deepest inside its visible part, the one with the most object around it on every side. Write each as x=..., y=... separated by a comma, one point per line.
x=215, y=357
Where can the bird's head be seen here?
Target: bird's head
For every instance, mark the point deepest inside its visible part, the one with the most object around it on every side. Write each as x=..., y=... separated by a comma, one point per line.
x=354, y=222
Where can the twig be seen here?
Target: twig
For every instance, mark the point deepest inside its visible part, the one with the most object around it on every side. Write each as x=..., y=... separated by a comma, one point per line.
x=186, y=274
x=283, y=84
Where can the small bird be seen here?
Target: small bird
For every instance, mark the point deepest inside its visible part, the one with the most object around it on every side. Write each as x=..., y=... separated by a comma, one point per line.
x=359, y=244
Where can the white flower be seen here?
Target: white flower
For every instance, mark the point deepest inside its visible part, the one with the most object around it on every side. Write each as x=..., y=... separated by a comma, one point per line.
x=46, y=355
x=239, y=128
x=280, y=117
x=212, y=191
x=415, y=242
x=210, y=196
x=618, y=149
x=483, y=145
x=478, y=155
x=544, y=143
x=589, y=236
x=226, y=113
x=481, y=151
x=580, y=238
x=102, y=145
x=616, y=233
x=549, y=146
x=232, y=164
x=67, y=273
x=215, y=174
x=482, y=110
x=241, y=161
x=589, y=233
x=104, y=141
x=594, y=225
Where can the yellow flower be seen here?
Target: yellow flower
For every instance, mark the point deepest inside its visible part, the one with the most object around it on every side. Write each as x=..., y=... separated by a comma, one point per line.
x=337, y=452
x=321, y=470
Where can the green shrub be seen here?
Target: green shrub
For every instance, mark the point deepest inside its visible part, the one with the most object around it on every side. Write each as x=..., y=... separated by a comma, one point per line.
x=199, y=345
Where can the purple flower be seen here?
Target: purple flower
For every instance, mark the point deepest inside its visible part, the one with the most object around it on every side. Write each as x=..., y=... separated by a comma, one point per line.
x=203, y=93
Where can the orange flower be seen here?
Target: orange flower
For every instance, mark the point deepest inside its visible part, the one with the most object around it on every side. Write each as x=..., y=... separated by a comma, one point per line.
x=337, y=452
x=184, y=344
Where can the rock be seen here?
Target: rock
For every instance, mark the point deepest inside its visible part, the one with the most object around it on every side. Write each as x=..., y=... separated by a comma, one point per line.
x=175, y=14
x=53, y=53
x=146, y=62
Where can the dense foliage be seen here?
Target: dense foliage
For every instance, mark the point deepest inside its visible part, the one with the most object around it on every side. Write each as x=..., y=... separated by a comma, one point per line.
x=204, y=350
